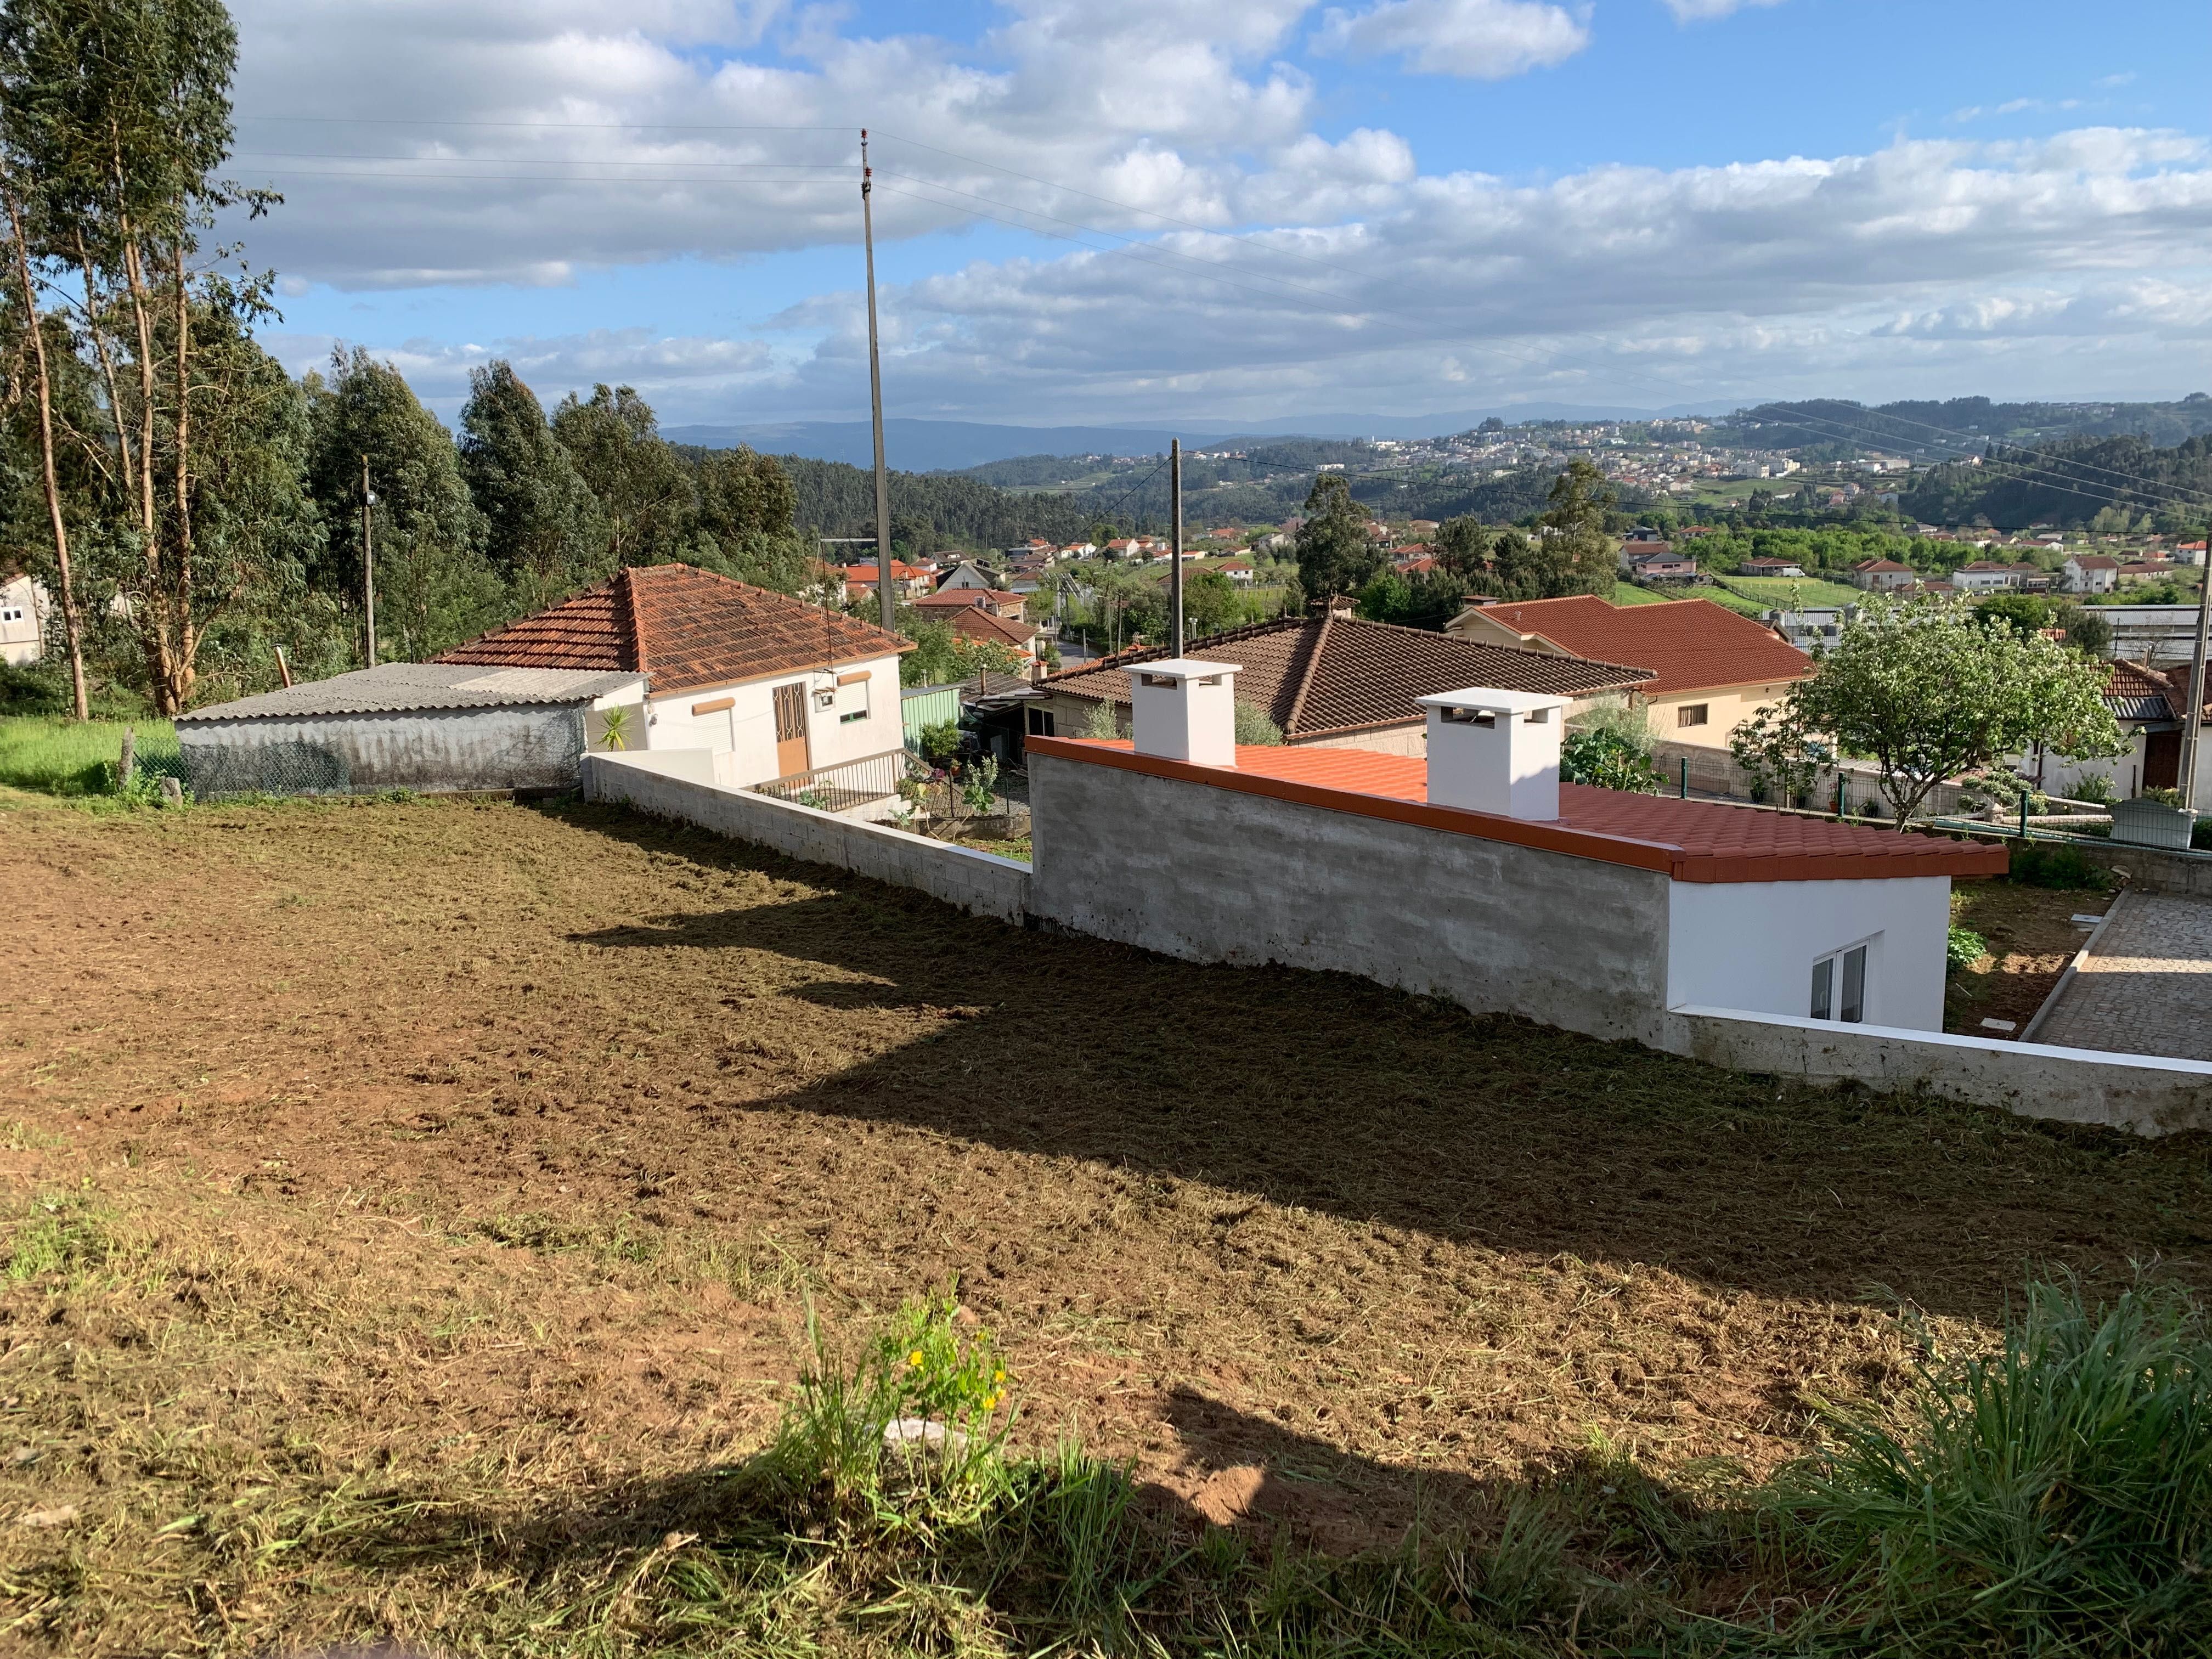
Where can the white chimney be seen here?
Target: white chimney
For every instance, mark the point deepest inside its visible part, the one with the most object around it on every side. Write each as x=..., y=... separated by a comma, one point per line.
x=1496, y=751
x=1184, y=709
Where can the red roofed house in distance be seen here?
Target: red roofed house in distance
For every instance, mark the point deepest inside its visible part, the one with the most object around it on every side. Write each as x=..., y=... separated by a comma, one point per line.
x=1713, y=668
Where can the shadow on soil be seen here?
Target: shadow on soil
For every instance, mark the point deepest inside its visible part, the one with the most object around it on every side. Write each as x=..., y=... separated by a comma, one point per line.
x=1330, y=1092
x=1277, y=1488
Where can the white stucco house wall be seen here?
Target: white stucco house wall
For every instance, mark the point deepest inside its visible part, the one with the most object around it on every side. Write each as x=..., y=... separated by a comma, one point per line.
x=23, y=622
x=758, y=685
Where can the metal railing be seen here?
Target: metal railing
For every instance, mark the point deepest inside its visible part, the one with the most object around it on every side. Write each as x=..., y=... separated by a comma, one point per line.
x=850, y=783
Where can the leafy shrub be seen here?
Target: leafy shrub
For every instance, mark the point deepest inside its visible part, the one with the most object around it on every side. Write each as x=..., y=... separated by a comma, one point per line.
x=1104, y=722
x=2055, y=1496
x=1608, y=760
x=2095, y=789
x=2046, y=864
x=1253, y=726
x=1964, y=948
x=940, y=743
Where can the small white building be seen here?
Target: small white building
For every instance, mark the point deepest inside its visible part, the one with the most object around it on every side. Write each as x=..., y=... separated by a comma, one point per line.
x=1475, y=874
x=768, y=686
x=23, y=622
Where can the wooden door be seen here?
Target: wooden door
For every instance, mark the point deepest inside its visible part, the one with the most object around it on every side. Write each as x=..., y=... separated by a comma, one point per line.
x=2162, y=760
x=790, y=730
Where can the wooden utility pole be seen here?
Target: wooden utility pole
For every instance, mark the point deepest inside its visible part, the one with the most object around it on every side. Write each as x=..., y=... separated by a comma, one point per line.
x=887, y=605
x=2192, y=726
x=368, y=561
x=1175, y=538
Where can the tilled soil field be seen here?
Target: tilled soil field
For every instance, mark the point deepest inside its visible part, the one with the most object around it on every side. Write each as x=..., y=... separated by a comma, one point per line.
x=372, y=1164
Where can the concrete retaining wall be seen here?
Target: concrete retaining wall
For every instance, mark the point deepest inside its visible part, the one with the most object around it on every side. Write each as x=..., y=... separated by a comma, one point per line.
x=1214, y=875
x=2137, y=1092
x=982, y=883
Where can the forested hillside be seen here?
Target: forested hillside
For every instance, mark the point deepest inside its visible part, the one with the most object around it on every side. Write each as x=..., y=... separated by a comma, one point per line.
x=2071, y=482
x=1929, y=430
x=928, y=509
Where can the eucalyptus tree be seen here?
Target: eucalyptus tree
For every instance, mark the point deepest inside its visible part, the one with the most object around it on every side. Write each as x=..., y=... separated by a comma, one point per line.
x=435, y=587
x=115, y=117
x=543, y=532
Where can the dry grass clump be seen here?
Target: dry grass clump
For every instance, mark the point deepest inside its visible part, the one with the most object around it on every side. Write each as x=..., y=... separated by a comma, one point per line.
x=418, y=1205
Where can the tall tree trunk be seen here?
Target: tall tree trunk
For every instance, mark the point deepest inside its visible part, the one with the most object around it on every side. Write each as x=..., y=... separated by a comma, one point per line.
x=187, y=646
x=151, y=612
x=71, y=625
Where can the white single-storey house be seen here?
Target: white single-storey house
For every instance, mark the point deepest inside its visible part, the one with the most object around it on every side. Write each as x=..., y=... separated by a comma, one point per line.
x=23, y=621
x=761, y=685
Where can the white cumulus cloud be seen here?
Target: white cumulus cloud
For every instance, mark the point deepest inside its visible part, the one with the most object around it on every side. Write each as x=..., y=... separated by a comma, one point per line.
x=1700, y=11
x=1481, y=39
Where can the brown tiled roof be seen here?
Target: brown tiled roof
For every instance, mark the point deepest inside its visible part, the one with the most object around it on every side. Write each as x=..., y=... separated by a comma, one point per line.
x=946, y=598
x=1314, y=676
x=680, y=628
x=978, y=623
x=1692, y=644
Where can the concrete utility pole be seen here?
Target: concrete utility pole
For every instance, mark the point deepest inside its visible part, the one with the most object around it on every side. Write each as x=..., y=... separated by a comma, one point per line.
x=887, y=604
x=1175, y=538
x=2192, y=728
x=367, y=561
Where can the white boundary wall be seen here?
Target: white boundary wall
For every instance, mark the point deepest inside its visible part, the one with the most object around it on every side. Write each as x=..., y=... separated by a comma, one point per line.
x=982, y=883
x=2143, y=1093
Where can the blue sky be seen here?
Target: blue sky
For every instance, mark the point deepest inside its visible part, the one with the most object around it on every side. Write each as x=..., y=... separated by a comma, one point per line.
x=1407, y=205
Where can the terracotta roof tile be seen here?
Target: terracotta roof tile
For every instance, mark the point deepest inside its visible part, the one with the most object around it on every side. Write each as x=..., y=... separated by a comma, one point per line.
x=1314, y=676
x=682, y=628
x=1691, y=840
x=1692, y=644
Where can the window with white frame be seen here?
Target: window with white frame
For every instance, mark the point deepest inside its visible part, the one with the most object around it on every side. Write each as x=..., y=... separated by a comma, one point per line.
x=11, y=613
x=1839, y=981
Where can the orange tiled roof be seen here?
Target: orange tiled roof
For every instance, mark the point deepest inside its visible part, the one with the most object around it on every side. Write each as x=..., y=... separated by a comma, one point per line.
x=1691, y=645
x=1314, y=676
x=680, y=628
x=1692, y=841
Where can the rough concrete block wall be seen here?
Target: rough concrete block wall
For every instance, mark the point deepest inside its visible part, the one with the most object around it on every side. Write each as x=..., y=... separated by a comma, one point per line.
x=437, y=751
x=1212, y=875
x=2138, y=1092
x=982, y=883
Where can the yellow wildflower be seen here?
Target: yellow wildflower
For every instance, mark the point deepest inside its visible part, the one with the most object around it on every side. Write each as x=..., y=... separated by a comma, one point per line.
x=915, y=1359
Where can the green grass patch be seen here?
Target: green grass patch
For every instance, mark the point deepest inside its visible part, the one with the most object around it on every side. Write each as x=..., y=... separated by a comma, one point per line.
x=58, y=757
x=1630, y=594
x=1787, y=593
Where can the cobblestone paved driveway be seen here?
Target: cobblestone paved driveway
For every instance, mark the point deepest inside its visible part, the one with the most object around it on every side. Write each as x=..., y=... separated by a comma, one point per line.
x=2147, y=986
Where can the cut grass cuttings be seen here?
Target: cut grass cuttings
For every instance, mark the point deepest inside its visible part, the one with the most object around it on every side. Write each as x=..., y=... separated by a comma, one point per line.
x=57, y=756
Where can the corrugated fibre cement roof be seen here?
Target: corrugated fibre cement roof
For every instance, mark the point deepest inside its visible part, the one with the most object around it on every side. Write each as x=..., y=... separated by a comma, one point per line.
x=401, y=688
x=1693, y=841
